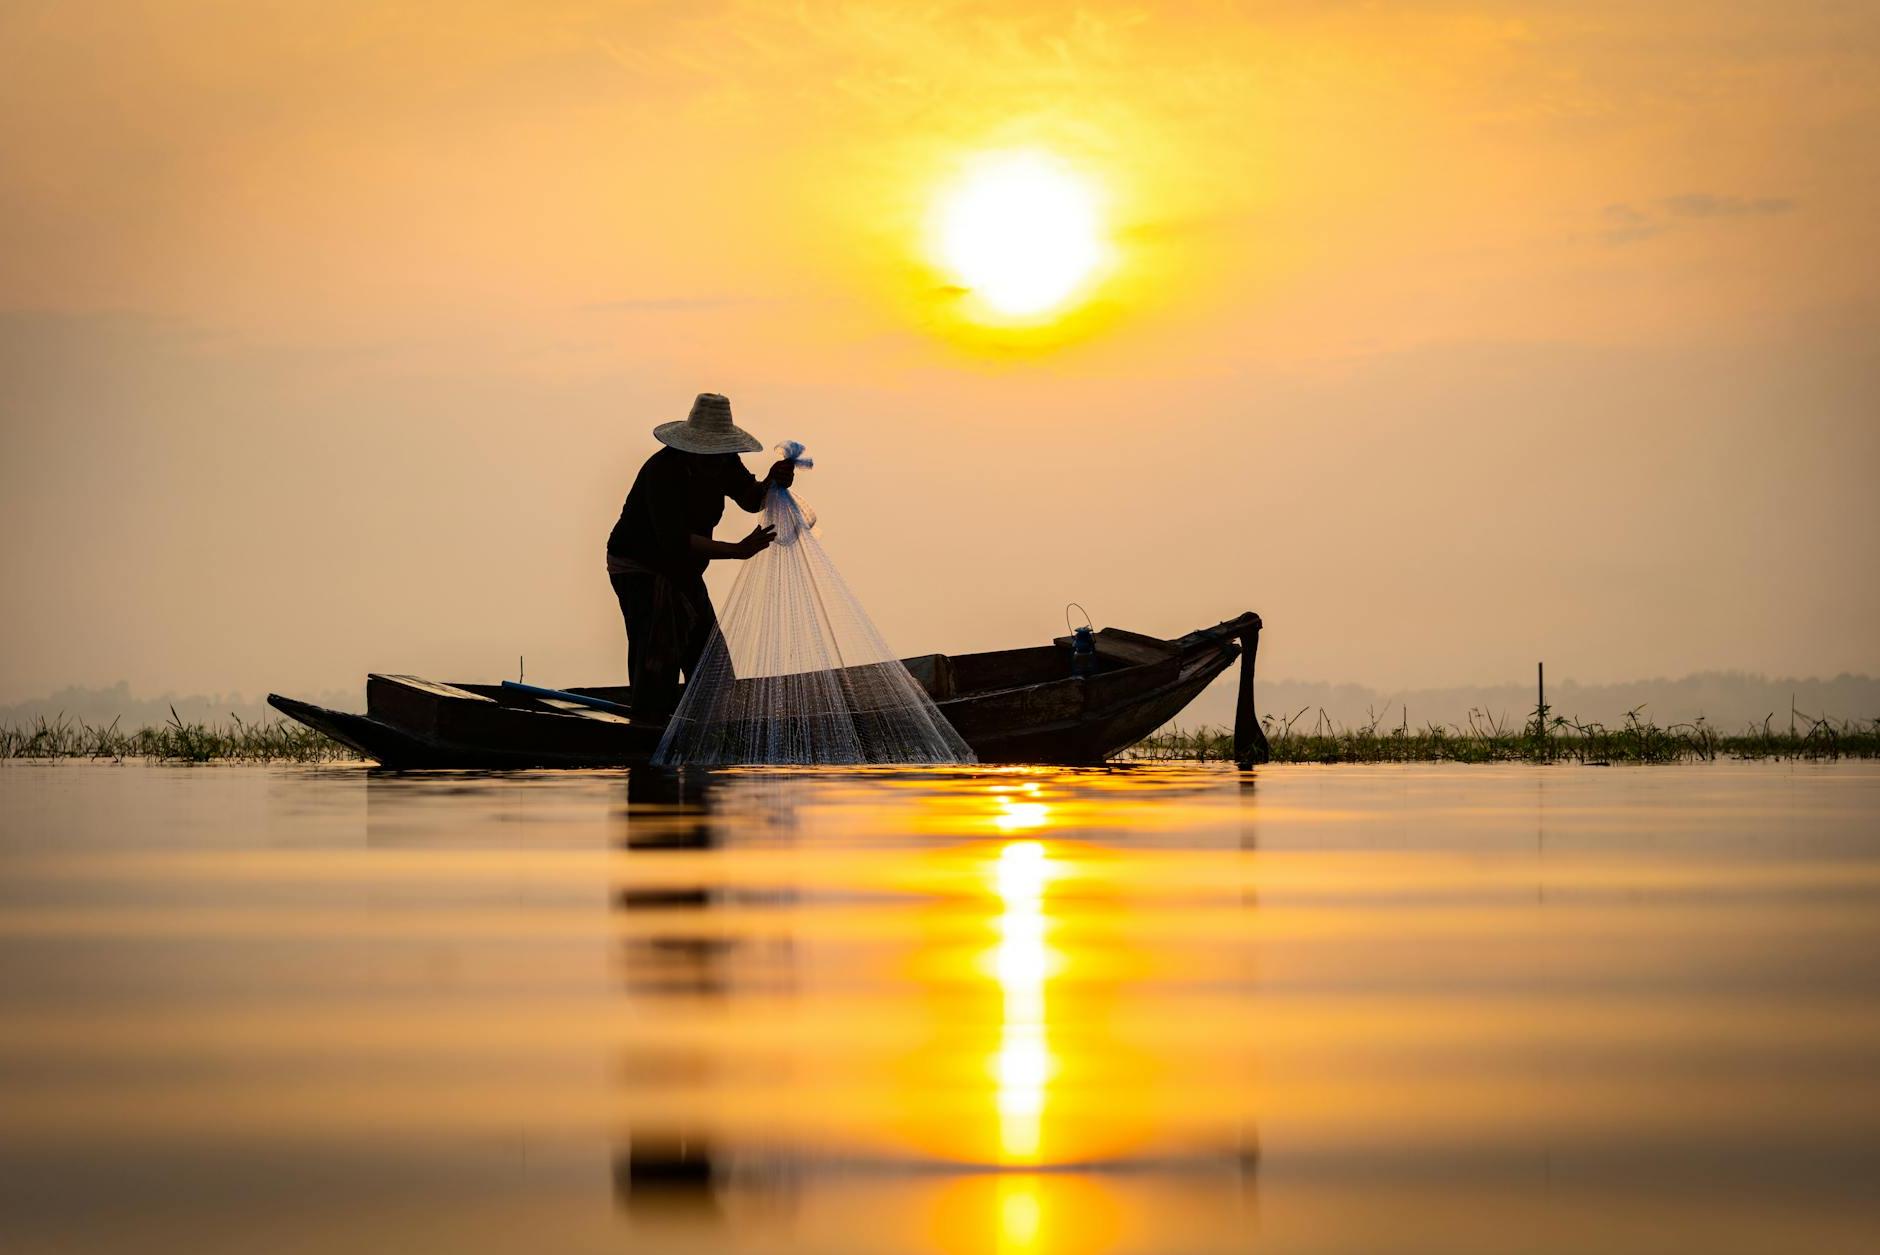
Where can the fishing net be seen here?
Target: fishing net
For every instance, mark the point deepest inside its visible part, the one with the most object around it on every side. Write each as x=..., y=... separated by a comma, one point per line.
x=796, y=673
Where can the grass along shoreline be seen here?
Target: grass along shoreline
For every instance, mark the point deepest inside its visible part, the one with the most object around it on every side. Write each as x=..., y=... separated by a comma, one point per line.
x=1544, y=738
x=177, y=741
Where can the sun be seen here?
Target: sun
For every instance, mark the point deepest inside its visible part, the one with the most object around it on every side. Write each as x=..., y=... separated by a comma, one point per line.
x=1022, y=232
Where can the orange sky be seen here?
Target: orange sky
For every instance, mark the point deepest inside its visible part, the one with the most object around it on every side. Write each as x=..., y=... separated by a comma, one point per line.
x=1448, y=337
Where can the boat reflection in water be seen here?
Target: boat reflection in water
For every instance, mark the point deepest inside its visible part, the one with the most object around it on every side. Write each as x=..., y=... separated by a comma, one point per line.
x=669, y=1171
x=973, y=985
x=1031, y=1010
x=672, y=1172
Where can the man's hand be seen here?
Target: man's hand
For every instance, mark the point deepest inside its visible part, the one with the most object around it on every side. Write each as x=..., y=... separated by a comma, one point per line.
x=783, y=473
x=758, y=541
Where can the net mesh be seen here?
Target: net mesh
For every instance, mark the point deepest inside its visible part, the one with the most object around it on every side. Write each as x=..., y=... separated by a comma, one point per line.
x=796, y=673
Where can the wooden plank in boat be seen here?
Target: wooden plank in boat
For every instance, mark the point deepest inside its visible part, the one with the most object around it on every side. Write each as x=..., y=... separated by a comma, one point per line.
x=1008, y=668
x=434, y=687
x=1131, y=648
x=585, y=712
x=618, y=694
x=522, y=699
x=1110, y=689
x=1028, y=706
x=538, y=731
x=934, y=672
x=410, y=701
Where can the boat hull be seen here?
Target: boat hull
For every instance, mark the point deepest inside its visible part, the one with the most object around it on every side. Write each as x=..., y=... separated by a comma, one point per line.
x=1016, y=706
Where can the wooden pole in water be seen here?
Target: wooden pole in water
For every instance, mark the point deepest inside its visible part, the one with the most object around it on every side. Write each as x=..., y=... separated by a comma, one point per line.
x=1250, y=745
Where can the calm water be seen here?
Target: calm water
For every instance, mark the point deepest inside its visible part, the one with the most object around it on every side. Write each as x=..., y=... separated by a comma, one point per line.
x=1156, y=1010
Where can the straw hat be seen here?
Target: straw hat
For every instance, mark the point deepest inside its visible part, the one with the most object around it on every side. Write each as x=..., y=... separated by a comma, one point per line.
x=708, y=429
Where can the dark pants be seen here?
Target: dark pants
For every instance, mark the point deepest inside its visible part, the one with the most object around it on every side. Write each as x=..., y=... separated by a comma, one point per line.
x=669, y=623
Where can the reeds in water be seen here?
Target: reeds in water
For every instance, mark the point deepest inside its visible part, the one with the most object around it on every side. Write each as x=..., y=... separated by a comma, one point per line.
x=176, y=741
x=1543, y=738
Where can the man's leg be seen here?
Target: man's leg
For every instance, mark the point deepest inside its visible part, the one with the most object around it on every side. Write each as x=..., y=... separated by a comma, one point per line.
x=702, y=622
x=655, y=644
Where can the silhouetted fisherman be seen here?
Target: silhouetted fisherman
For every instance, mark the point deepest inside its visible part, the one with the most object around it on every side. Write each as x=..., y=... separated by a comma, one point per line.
x=658, y=551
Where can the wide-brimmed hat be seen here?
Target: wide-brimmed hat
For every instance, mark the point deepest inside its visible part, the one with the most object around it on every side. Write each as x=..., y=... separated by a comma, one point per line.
x=708, y=429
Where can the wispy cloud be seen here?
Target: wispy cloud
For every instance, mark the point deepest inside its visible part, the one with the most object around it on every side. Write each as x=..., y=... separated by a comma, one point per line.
x=664, y=304
x=1707, y=205
x=1626, y=223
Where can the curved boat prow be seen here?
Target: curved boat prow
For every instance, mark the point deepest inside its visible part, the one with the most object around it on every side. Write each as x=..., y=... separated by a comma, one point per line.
x=378, y=741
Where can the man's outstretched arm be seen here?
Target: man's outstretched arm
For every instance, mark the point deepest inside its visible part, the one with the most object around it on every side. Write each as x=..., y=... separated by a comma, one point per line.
x=748, y=490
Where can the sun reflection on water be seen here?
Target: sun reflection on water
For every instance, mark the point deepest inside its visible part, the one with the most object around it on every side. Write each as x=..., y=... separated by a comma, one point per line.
x=1022, y=1066
x=1019, y=816
x=1020, y=1212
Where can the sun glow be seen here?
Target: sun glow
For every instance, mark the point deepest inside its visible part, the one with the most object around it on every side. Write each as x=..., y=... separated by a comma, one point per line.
x=1022, y=232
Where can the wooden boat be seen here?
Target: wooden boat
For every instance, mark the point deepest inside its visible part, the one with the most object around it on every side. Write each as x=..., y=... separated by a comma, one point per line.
x=1011, y=706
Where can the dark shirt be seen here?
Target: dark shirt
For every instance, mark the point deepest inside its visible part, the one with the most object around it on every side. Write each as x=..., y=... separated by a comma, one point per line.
x=675, y=497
